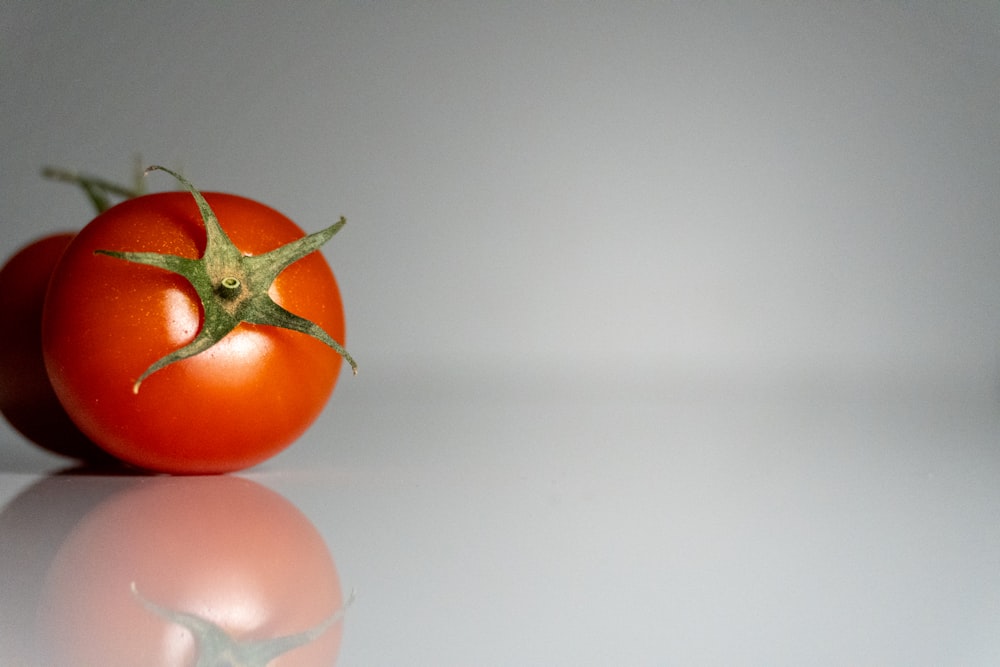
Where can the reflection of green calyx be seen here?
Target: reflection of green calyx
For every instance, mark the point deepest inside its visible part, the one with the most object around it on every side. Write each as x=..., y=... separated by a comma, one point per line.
x=215, y=647
x=233, y=287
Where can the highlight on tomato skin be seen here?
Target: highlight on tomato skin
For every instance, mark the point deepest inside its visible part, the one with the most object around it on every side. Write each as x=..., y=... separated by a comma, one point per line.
x=169, y=569
x=27, y=399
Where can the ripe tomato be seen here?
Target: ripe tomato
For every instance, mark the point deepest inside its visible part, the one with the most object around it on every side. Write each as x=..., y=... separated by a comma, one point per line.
x=27, y=399
x=106, y=321
x=172, y=570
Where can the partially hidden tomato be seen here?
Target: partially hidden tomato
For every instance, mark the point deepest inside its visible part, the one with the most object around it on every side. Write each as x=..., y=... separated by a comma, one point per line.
x=202, y=570
x=112, y=322
x=27, y=399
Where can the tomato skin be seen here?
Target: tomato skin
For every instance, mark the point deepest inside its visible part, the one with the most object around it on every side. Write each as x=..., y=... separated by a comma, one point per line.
x=27, y=399
x=223, y=548
x=107, y=320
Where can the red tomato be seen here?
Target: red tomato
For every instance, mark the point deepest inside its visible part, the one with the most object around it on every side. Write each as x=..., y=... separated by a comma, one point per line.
x=156, y=573
x=27, y=399
x=230, y=407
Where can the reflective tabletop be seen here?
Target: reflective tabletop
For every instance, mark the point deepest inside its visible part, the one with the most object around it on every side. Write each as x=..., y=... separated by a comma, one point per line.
x=546, y=520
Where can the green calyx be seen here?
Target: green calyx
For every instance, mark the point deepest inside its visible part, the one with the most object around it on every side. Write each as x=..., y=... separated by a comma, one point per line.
x=231, y=286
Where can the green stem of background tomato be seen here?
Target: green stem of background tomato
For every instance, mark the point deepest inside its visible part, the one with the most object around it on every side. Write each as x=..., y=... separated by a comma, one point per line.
x=98, y=190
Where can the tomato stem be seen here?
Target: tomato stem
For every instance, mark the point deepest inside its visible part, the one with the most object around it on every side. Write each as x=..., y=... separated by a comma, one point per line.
x=230, y=288
x=98, y=190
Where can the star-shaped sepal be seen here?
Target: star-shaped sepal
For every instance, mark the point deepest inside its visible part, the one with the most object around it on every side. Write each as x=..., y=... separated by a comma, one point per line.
x=231, y=286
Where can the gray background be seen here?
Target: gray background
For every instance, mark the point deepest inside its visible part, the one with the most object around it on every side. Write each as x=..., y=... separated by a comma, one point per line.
x=617, y=187
x=677, y=322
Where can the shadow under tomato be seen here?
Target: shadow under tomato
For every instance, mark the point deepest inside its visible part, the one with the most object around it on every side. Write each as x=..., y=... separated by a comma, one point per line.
x=18, y=456
x=127, y=570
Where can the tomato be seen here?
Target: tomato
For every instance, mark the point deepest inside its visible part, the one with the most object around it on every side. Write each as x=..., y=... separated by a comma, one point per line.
x=174, y=570
x=27, y=399
x=108, y=320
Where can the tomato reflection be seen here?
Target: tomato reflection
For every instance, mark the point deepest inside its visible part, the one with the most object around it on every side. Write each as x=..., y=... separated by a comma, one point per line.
x=191, y=571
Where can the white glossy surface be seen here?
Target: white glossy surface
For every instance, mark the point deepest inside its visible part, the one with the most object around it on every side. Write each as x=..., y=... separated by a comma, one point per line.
x=771, y=523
